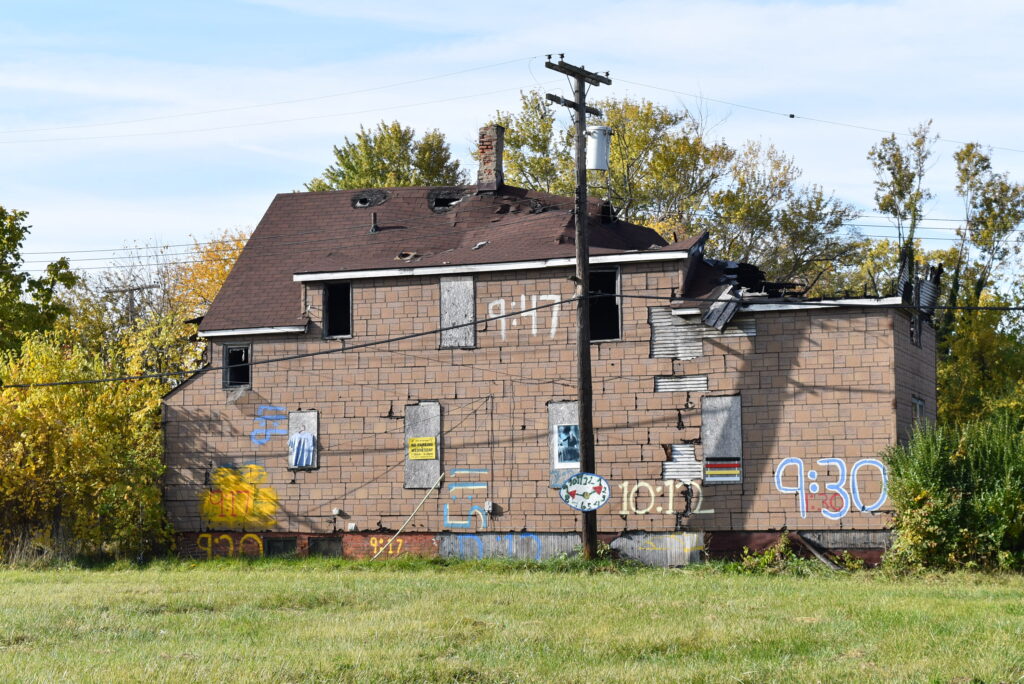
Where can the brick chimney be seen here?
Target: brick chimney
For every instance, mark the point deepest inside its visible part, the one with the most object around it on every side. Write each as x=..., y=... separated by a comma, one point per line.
x=490, y=148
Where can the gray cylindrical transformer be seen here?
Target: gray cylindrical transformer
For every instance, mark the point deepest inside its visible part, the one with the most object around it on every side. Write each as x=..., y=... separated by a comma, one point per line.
x=598, y=144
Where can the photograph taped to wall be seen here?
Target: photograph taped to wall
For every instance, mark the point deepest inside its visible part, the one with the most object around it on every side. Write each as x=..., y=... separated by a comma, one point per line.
x=568, y=444
x=303, y=430
x=422, y=448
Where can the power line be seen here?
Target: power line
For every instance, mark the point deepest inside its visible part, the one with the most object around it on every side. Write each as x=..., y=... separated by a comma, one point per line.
x=291, y=357
x=810, y=304
x=259, y=123
x=269, y=104
x=807, y=118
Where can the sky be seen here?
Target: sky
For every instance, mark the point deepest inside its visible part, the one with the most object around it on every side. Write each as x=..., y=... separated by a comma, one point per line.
x=146, y=123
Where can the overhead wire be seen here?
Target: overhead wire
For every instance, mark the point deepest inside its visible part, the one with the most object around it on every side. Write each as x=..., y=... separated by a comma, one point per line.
x=810, y=304
x=276, y=103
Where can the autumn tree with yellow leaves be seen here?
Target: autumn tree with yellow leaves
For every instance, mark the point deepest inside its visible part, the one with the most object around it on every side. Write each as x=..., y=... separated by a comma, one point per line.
x=80, y=463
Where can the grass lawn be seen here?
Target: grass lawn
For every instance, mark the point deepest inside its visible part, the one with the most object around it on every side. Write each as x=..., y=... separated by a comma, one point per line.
x=326, y=620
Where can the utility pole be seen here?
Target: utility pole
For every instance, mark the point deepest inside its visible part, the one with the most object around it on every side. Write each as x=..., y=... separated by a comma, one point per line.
x=584, y=384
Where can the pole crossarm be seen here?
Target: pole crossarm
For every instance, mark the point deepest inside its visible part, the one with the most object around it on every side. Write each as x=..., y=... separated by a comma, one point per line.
x=578, y=72
x=557, y=99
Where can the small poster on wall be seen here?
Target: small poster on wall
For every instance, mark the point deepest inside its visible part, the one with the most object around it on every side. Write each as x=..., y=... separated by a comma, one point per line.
x=422, y=448
x=303, y=427
x=568, y=444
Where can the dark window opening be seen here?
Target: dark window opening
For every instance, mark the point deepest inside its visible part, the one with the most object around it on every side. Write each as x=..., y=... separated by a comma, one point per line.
x=237, y=371
x=604, y=310
x=324, y=546
x=279, y=546
x=337, y=309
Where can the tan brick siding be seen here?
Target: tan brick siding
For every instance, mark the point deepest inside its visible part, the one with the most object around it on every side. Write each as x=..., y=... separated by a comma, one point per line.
x=814, y=384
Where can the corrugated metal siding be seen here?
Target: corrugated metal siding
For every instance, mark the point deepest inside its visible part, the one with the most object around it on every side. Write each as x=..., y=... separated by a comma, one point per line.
x=682, y=337
x=683, y=466
x=522, y=545
x=663, y=549
x=682, y=383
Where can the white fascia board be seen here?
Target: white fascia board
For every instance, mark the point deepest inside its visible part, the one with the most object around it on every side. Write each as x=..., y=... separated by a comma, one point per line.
x=823, y=304
x=279, y=330
x=630, y=257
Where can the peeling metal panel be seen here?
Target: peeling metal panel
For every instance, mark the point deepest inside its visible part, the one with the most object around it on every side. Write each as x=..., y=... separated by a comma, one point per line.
x=458, y=306
x=678, y=337
x=559, y=413
x=521, y=545
x=661, y=549
x=681, y=383
x=683, y=465
x=721, y=435
x=422, y=420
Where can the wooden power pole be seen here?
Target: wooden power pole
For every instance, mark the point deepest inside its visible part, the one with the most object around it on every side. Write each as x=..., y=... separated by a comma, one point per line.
x=584, y=385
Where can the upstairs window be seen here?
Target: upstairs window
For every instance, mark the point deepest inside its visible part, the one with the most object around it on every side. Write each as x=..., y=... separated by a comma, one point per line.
x=337, y=309
x=237, y=371
x=604, y=311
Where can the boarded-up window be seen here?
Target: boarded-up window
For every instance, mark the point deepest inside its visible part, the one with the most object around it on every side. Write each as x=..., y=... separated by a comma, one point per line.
x=563, y=440
x=303, y=440
x=279, y=546
x=422, y=444
x=721, y=435
x=324, y=546
x=337, y=309
x=458, y=311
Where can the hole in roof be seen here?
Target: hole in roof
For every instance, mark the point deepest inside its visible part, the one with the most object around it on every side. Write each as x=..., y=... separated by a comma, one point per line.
x=441, y=200
x=369, y=198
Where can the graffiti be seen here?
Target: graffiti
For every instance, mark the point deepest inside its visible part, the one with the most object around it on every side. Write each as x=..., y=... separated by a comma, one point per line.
x=224, y=545
x=585, y=491
x=499, y=308
x=691, y=499
x=467, y=490
x=394, y=548
x=239, y=498
x=477, y=549
x=268, y=423
x=684, y=543
x=836, y=498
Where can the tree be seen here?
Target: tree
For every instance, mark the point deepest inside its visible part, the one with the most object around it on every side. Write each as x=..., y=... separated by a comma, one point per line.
x=390, y=156
x=666, y=172
x=26, y=303
x=79, y=464
x=899, y=180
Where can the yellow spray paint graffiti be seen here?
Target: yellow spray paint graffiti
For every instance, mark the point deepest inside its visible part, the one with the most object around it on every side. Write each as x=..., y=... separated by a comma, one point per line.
x=239, y=498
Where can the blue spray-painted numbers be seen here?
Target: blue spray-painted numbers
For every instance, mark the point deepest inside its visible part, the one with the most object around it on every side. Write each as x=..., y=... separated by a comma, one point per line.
x=841, y=495
x=466, y=490
x=268, y=418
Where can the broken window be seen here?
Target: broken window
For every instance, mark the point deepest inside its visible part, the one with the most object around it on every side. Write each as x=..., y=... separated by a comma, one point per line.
x=337, y=309
x=917, y=404
x=324, y=546
x=237, y=371
x=604, y=305
x=279, y=546
x=458, y=311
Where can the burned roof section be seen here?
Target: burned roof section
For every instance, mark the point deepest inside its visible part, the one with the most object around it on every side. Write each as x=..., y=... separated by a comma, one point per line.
x=334, y=232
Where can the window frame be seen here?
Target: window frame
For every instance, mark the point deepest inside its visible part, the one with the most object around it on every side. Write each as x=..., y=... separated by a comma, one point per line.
x=226, y=380
x=326, y=317
x=617, y=302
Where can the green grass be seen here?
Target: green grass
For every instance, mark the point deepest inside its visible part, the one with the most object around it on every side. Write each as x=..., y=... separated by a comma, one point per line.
x=325, y=620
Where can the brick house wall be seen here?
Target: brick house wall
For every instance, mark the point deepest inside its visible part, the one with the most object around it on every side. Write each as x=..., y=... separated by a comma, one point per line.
x=813, y=384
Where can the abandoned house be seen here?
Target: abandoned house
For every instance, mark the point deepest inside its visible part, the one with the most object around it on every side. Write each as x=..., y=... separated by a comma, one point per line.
x=402, y=360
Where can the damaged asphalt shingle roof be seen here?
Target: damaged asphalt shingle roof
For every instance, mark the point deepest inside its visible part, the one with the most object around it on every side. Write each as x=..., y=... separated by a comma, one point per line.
x=319, y=232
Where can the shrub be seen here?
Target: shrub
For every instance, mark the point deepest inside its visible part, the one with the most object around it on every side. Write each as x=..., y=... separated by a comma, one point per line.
x=958, y=492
